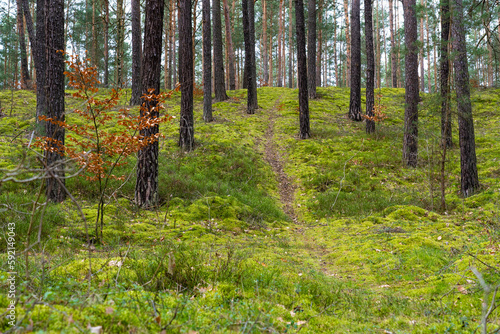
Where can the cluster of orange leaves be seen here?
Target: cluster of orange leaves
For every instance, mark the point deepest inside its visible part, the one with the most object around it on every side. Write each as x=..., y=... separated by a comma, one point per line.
x=378, y=111
x=97, y=148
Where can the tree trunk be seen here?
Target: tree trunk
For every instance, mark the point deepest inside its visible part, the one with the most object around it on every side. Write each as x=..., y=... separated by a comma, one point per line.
x=444, y=64
x=186, y=137
x=394, y=71
x=171, y=37
x=55, y=94
x=468, y=165
x=429, y=81
x=106, y=46
x=136, y=53
x=38, y=50
x=251, y=72
x=410, y=143
x=207, y=61
x=348, y=44
x=219, y=81
x=290, y=45
x=319, y=47
x=305, y=131
x=311, y=49
x=229, y=48
x=146, y=187
x=120, y=15
x=355, y=101
x=25, y=75
x=422, y=70
x=337, y=79
x=265, y=60
x=370, y=67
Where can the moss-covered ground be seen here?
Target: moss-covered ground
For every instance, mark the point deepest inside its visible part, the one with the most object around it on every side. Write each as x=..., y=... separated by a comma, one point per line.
x=258, y=231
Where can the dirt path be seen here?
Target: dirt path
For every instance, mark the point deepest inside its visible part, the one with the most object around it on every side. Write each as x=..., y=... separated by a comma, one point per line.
x=273, y=156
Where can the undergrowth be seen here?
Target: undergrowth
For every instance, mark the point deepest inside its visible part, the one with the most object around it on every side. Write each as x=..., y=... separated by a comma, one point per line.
x=370, y=250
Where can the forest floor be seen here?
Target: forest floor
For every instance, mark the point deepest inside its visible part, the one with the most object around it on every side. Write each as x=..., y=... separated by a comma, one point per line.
x=257, y=231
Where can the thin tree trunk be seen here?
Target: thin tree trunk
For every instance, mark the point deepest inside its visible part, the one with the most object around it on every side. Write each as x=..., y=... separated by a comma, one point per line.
x=444, y=64
x=348, y=44
x=186, y=133
x=305, y=131
x=280, y=34
x=319, y=48
x=219, y=82
x=290, y=46
x=422, y=69
x=146, y=187
x=337, y=79
x=311, y=49
x=55, y=94
x=229, y=48
x=429, y=81
x=120, y=43
x=468, y=164
x=94, y=60
x=410, y=143
x=207, y=61
x=370, y=68
x=25, y=76
x=136, y=53
x=251, y=75
x=106, y=43
x=379, y=55
x=355, y=100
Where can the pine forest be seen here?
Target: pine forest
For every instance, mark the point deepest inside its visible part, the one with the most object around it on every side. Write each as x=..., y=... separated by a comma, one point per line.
x=250, y=166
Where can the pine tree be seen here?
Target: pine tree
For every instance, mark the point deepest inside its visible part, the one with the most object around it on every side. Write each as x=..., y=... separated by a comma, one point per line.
x=136, y=53
x=468, y=161
x=370, y=67
x=207, y=62
x=410, y=143
x=146, y=187
x=186, y=71
x=355, y=101
x=305, y=131
x=55, y=94
x=311, y=49
x=219, y=81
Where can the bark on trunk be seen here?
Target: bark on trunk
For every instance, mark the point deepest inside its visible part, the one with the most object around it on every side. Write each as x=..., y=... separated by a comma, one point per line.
x=207, y=61
x=265, y=58
x=230, y=48
x=311, y=49
x=219, y=80
x=370, y=67
x=106, y=46
x=319, y=48
x=444, y=64
x=348, y=44
x=410, y=143
x=290, y=46
x=25, y=75
x=355, y=100
x=394, y=71
x=120, y=43
x=38, y=50
x=55, y=94
x=305, y=131
x=146, y=187
x=468, y=164
x=250, y=70
x=136, y=53
x=186, y=136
